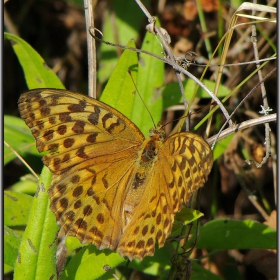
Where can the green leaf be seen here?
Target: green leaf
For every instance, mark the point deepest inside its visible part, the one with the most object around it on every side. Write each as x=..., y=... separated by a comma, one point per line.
x=37, y=73
x=220, y=146
x=16, y=208
x=11, y=245
x=27, y=184
x=227, y=234
x=199, y=272
x=119, y=91
x=7, y=268
x=38, y=247
x=19, y=137
x=80, y=266
x=185, y=217
x=149, y=81
x=154, y=265
x=72, y=243
x=120, y=26
x=150, y=265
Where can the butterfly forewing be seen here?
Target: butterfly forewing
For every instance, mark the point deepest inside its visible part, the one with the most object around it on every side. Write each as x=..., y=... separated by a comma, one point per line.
x=110, y=186
x=93, y=154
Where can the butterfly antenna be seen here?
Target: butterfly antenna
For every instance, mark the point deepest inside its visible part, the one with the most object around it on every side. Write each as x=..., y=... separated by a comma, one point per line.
x=192, y=113
x=129, y=72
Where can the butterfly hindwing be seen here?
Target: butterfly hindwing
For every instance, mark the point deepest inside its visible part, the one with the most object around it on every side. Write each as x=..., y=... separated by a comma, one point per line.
x=181, y=166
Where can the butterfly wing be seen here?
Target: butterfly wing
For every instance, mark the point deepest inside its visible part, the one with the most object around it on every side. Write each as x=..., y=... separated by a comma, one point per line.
x=93, y=149
x=183, y=164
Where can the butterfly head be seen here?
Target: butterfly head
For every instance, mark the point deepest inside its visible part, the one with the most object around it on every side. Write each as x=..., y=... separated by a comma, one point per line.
x=157, y=133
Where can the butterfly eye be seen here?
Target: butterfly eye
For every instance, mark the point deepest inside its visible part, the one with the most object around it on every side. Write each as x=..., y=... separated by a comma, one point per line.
x=162, y=135
x=152, y=132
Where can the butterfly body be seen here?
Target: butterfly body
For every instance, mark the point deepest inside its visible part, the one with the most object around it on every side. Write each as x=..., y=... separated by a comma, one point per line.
x=111, y=186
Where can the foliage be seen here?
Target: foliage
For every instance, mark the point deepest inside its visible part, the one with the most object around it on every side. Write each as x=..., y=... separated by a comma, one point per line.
x=30, y=230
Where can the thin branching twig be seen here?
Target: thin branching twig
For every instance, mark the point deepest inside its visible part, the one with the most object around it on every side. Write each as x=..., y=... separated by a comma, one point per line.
x=242, y=101
x=264, y=97
x=243, y=125
x=174, y=65
x=158, y=31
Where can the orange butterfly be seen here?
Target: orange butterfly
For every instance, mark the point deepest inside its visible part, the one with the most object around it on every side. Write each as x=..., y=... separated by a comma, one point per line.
x=111, y=186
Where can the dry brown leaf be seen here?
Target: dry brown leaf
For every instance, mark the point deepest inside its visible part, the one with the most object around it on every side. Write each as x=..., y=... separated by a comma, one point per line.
x=190, y=10
x=265, y=261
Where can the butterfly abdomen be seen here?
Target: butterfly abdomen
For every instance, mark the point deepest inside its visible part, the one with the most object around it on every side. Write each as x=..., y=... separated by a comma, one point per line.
x=147, y=159
x=145, y=166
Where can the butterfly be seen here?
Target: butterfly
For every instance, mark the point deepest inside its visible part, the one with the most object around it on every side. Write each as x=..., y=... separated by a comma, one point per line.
x=111, y=186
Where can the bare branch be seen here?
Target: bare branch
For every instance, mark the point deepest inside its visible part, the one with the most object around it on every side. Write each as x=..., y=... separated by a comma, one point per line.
x=91, y=50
